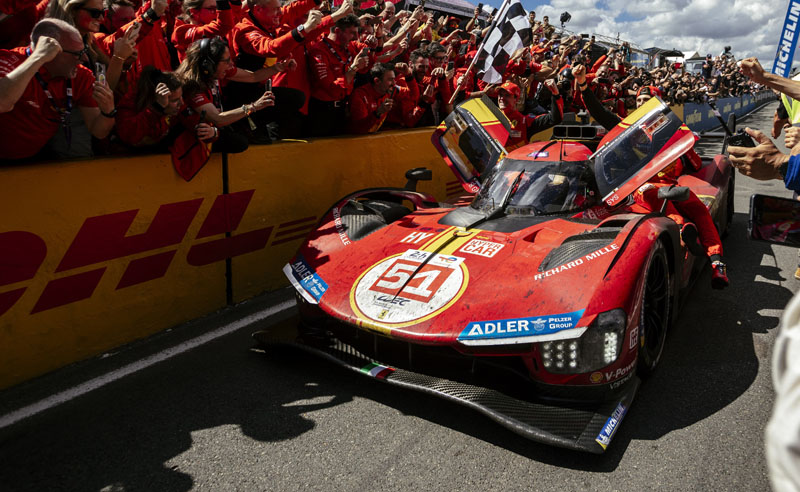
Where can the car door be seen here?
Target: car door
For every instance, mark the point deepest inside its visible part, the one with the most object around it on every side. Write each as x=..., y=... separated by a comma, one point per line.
x=471, y=140
x=640, y=146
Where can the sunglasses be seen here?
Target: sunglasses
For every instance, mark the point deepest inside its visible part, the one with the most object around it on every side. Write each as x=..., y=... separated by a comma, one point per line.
x=77, y=54
x=93, y=13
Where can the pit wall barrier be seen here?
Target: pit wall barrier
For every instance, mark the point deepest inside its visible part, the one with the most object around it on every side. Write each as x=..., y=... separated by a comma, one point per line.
x=98, y=253
x=700, y=117
x=102, y=252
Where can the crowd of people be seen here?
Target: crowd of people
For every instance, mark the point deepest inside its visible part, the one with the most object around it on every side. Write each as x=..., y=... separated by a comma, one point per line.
x=145, y=75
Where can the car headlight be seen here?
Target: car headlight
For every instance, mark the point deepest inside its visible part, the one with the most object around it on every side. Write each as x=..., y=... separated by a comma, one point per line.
x=598, y=347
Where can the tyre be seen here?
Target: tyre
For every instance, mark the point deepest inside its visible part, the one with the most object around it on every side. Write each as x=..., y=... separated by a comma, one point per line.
x=655, y=314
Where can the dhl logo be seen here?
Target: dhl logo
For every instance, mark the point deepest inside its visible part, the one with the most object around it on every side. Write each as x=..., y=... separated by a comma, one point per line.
x=104, y=238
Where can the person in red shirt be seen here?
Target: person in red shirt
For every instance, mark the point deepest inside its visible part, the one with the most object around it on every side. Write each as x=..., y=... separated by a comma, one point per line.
x=17, y=18
x=270, y=33
x=371, y=103
x=201, y=19
x=154, y=119
x=336, y=60
x=40, y=89
x=207, y=63
x=702, y=225
x=523, y=126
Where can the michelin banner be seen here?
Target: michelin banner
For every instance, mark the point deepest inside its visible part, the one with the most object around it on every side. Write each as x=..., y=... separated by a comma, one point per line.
x=700, y=117
x=788, y=41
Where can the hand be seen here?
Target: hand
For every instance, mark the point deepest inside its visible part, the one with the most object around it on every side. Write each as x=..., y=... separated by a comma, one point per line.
x=46, y=49
x=761, y=162
x=403, y=69
x=104, y=97
x=266, y=100
x=385, y=107
x=404, y=44
x=551, y=85
x=159, y=6
x=286, y=64
x=418, y=13
x=125, y=45
x=162, y=94
x=371, y=41
x=438, y=72
x=792, y=137
x=360, y=63
x=427, y=94
x=344, y=9
x=753, y=70
x=205, y=131
x=579, y=72
x=314, y=18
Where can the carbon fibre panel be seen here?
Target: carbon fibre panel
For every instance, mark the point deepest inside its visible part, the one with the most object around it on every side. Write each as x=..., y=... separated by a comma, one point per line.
x=569, y=424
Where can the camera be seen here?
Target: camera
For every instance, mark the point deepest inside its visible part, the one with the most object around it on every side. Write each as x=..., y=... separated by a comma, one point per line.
x=565, y=17
x=741, y=139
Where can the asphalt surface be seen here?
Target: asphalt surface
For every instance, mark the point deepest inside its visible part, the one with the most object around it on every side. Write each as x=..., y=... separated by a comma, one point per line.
x=226, y=416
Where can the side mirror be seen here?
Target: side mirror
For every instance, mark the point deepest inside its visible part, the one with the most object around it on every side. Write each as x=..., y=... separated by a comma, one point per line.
x=674, y=193
x=774, y=220
x=417, y=174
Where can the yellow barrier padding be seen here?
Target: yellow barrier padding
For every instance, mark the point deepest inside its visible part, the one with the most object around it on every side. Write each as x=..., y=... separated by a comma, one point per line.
x=86, y=266
x=297, y=183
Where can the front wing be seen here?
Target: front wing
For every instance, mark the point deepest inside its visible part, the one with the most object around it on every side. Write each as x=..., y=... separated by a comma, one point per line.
x=581, y=426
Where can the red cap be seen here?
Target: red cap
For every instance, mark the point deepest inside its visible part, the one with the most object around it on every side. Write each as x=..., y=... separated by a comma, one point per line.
x=511, y=88
x=452, y=19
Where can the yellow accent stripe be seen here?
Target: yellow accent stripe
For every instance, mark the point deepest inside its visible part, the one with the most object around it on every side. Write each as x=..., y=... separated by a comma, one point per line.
x=437, y=240
x=462, y=237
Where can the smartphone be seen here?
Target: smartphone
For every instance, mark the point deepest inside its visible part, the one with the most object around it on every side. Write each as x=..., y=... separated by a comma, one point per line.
x=269, y=85
x=422, y=3
x=480, y=7
x=364, y=51
x=450, y=65
x=100, y=72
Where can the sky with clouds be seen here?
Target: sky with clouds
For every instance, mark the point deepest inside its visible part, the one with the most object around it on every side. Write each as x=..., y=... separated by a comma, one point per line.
x=750, y=27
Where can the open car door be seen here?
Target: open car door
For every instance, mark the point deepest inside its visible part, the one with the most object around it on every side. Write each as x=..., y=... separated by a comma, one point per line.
x=471, y=140
x=643, y=144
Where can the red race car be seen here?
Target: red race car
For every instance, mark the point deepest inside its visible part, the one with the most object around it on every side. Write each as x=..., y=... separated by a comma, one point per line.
x=542, y=302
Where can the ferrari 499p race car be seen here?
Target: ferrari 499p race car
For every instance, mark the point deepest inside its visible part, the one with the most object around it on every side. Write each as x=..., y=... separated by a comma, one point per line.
x=542, y=302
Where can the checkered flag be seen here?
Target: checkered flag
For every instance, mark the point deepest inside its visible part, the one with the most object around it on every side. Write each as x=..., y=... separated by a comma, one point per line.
x=511, y=32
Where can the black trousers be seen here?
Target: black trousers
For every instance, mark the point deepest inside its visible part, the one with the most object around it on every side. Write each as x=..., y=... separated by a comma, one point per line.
x=327, y=118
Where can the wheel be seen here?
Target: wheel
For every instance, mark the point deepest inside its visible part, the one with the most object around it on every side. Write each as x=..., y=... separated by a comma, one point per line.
x=655, y=316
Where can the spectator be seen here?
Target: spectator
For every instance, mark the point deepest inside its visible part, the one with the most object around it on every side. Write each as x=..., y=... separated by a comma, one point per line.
x=523, y=126
x=118, y=13
x=270, y=33
x=35, y=88
x=157, y=112
x=371, y=103
x=201, y=19
x=17, y=18
x=336, y=60
x=207, y=63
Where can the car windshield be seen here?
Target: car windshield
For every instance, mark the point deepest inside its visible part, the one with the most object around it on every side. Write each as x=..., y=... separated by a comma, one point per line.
x=537, y=188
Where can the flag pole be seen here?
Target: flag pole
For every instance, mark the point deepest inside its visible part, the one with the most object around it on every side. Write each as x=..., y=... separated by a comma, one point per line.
x=500, y=14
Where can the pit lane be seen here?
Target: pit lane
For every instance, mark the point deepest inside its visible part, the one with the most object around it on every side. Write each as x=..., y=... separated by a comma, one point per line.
x=220, y=416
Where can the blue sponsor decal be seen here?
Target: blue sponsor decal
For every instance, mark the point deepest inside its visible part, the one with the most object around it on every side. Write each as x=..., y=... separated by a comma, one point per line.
x=611, y=426
x=308, y=278
x=520, y=327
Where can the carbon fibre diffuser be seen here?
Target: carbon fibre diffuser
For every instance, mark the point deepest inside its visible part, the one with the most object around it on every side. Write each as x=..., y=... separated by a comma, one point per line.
x=577, y=425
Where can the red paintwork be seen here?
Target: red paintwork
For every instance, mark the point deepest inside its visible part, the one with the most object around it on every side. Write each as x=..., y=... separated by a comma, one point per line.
x=509, y=284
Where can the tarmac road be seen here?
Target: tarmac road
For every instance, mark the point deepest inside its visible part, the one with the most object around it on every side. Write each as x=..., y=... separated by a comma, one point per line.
x=223, y=416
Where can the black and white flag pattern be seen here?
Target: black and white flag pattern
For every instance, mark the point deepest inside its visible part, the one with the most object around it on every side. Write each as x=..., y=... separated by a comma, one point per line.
x=511, y=33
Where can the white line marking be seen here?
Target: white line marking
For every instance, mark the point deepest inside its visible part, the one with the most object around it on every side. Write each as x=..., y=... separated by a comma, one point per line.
x=100, y=381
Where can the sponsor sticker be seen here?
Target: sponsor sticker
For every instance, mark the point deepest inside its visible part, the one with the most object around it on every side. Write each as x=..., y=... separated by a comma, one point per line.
x=416, y=237
x=577, y=262
x=305, y=279
x=621, y=372
x=634, y=337
x=401, y=289
x=596, y=377
x=481, y=248
x=519, y=327
x=610, y=428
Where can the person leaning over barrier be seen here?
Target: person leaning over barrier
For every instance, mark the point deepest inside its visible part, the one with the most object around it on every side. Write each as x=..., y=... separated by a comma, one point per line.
x=42, y=85
x=371, y=103
x=208, y=62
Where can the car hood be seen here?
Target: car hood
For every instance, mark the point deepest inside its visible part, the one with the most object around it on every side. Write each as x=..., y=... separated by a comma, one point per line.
x=433, y=283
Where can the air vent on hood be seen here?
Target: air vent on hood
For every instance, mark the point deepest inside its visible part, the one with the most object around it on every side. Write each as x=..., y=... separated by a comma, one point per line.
x=579, y=245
